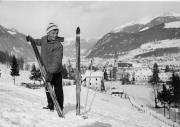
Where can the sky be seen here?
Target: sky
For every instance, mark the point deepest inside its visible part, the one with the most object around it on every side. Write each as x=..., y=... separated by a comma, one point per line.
x=95, y=18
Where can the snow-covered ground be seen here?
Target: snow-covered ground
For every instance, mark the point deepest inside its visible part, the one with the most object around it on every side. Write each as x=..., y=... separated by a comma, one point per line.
x=11, y=32
x=172, y=25
x=161, y=44
x=152, y=46
x=142, y=93
x=22, y=107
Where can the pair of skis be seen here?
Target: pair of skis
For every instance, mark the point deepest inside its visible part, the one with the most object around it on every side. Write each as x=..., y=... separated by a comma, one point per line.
x=48, y=84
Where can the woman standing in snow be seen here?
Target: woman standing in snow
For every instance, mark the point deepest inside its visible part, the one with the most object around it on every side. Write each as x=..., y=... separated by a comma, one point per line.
x=52, y=55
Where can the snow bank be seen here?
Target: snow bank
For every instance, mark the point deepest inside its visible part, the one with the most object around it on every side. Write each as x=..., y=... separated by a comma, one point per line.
x=151, y=46
x=172, y=25
x=144, y=29
x=161, y=44
x=11, y=32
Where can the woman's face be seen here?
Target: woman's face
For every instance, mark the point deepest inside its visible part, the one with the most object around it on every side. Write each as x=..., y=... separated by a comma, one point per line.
x=53, y=34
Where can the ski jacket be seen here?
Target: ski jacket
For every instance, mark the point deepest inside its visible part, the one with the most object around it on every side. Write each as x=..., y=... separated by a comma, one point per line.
x=51, y=53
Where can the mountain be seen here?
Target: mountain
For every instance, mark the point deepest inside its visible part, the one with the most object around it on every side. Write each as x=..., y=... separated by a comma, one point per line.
x=132, y=36
x=85, y=44
x=14, y=42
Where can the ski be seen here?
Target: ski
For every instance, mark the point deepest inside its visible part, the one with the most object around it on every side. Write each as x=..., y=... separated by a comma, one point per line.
x=48, y=84
x=78, y=74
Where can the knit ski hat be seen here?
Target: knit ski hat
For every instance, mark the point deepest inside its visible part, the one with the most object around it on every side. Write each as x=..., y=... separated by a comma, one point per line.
x=51, y=26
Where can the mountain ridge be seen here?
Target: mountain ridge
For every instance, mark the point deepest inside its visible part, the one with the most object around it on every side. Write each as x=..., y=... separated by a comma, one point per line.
x=14, y=43
x=133, y=36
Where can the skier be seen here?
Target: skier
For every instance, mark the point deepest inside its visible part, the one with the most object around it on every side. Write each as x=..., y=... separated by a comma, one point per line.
x=52, y=55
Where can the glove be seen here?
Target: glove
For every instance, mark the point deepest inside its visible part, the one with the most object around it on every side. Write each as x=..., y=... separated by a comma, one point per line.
x=49, y=77
x=28, y=38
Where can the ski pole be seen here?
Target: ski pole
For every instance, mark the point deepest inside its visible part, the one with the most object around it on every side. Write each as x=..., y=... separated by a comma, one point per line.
x=88, y=86
x=94, y=95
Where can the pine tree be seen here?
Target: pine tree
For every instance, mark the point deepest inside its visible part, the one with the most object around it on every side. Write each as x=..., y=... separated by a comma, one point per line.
x=175, y=90
x=110, y=75
x=21, y=63
x=133, y=78
x=72, y=74
x=27, y=66
x=154, y=80
x=14, y=68
x=64, y=72
x=69, y=69
x=114, y=71
x=39, y=76
x=105, y=75
x=167, y=69
x=164, y=96
x=102, y=85
x=33, y=73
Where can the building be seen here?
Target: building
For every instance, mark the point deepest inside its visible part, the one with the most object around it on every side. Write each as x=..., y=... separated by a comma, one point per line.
x=124, y=65
x=93, y=79
x=142, y=75
x=165, y=76
x=134, y=74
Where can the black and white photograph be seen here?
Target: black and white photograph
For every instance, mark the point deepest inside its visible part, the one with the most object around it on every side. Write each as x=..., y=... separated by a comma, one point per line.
x=89, y=63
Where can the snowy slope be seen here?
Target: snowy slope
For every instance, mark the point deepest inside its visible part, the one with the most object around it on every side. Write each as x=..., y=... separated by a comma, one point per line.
x=144, y=29
x=172, y=25
x=22, y=107
x=152, y=46
x=136, y=91
x=11, y=32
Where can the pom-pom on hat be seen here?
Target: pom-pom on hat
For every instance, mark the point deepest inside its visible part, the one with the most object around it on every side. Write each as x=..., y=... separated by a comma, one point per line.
x=51, y=26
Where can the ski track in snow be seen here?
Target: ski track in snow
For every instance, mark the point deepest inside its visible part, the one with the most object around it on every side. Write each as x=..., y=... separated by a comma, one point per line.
x=22, y=107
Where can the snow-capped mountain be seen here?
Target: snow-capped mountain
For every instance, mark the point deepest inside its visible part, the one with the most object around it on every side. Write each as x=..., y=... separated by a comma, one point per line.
x=133, y=36
x=14, y=42
x=147, y=22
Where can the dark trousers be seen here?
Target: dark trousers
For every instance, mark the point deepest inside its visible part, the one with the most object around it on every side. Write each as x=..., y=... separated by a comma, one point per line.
x=56, y=83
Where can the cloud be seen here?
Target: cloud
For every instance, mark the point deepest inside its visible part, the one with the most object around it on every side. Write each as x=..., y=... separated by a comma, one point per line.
x=89, y=6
